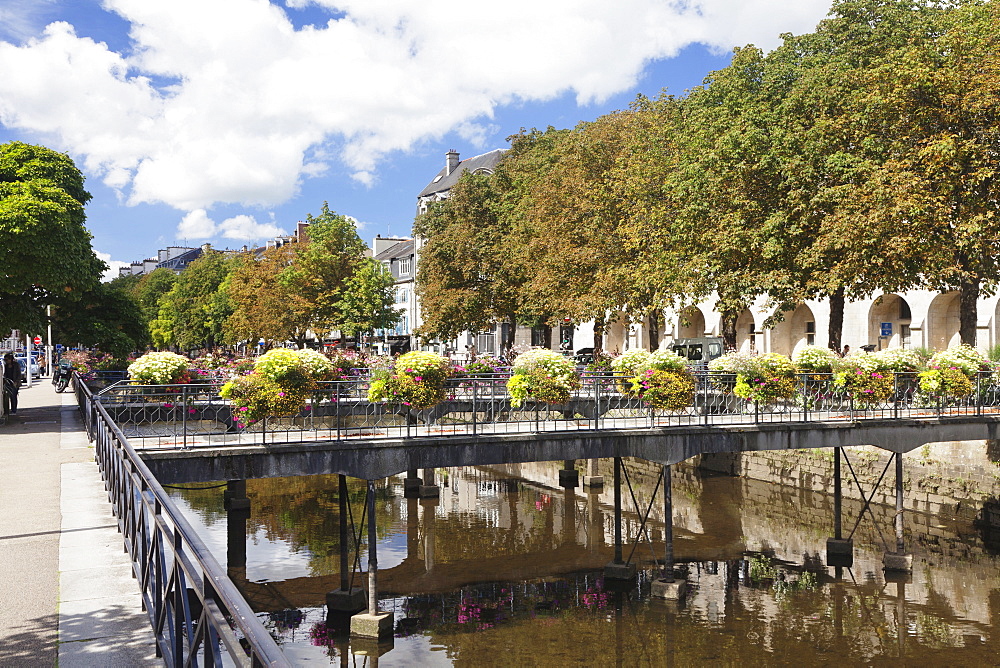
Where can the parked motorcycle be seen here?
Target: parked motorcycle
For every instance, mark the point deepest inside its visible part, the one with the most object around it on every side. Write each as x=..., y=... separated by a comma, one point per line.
x=62, y=375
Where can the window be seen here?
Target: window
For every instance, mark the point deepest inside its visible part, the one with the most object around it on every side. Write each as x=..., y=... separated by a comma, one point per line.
x=402, y=296
x=404, y=266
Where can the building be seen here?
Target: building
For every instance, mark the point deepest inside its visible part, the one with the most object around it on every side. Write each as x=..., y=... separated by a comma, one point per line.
x=398, y=257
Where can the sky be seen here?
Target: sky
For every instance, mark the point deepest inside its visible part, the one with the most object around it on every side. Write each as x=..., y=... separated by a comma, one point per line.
x=227, y=121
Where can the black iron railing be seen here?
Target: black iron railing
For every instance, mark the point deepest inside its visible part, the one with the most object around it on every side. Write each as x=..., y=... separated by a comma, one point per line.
x=194, y=415
x=198, y=616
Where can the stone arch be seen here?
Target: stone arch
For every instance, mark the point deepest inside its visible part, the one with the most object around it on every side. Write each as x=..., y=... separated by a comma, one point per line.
x=895, y=311
x=691, y=323
x=798, y=329
x=746, y=341
x=943, y=320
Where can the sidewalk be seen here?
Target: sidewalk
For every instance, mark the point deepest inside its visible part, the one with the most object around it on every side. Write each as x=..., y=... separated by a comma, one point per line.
x=66, y=590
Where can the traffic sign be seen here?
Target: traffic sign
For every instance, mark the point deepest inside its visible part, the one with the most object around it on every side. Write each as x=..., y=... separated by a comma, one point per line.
x=38, y=340
x=885, y=329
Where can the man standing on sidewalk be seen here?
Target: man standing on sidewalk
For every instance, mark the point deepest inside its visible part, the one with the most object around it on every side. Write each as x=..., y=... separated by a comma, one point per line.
x=11, y=384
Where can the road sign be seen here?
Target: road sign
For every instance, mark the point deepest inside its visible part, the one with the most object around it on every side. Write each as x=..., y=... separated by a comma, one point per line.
x=37, y=340
x=886, y=329
x=59, y=347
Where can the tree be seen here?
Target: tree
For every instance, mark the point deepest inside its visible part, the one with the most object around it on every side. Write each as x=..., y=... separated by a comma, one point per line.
x=368, y=300
x=323, y=264
x=106, y=317
x=197, y=306
x=264, y=306
x=47, y=254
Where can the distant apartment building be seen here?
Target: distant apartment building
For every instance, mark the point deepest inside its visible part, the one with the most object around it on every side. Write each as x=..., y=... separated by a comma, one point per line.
x=398, y=257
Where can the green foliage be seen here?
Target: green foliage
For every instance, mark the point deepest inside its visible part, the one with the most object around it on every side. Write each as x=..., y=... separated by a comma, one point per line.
x=867, y=378
x=760, y=378
x=47, y=258
x=417, y=379
x=544, y=375
x=192, y=313
x=368, y=300
x=671, y=390
x=105, y=317
x=159, y=368
x=255, y=397
x=944, y=382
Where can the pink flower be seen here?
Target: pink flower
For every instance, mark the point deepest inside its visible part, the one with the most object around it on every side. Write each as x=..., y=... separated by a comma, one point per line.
x=192, y=411
x=281, y=394
x=168, y=405
x=418, y=378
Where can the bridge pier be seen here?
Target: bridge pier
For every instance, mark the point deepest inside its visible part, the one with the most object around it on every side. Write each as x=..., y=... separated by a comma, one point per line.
x=898, y=563
x=839, y=552
x=237, y=506
x=568, y=475
x=618, y=569
x=372, y=623
x=666, y=586
x=347, y=599
x=593, y=478
x=411, y=484
x=428, y=489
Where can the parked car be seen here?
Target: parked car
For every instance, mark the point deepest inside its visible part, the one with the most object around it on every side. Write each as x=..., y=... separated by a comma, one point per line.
x=698, y=351
x=22, y=362
x=584, y=356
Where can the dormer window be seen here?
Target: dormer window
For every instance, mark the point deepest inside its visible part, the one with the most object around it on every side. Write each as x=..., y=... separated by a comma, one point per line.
x=404, y=266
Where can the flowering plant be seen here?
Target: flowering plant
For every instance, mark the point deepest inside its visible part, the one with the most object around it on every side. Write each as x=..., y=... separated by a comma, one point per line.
x=255, y=396
x=159, y=368
x=760, y=378
x=814, y=359
x=965, y=358
x=902, y=360
x=628, y=365
x=543, y=374
x=941, y=382
x=346, y=363
x=866, y=377
x=481, y=365
x=663, y=381
x=416, y=379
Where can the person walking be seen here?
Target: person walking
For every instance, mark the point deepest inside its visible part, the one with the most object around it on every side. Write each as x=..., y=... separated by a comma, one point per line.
x=11, y=384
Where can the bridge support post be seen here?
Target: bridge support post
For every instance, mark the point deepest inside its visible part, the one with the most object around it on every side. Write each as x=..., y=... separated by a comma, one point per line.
x=237, y=506
x=428, y=489
x=429, y=522
x=593, y=478
x=568, y=475
x=666, y=586
x=347, y=599
x=898, y=562
x=372, y=623
x=839, y=552
x=411, y=484
x=618, y=569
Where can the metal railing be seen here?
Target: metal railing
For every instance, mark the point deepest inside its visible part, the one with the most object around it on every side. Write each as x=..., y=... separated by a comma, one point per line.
x=197, y=614
x=183, y=416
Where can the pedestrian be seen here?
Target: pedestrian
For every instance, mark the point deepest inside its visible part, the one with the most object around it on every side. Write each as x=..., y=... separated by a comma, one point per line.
x=11, y=383
x=845, y=351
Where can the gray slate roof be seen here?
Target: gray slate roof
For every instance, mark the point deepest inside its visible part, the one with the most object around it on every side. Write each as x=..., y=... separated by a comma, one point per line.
x=402, y=249
x=445, y=182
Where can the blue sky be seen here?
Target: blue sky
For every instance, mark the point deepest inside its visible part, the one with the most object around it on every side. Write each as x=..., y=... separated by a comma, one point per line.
x=229, y=120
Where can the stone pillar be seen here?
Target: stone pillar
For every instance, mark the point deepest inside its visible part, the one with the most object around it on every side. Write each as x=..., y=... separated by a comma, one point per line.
x=667, y=587
x=839, y=552
x=429, y=520
x=428, y=489
x=898, y=563
x=593, y=478
x=568, y=475
x=411, y=484
x=618, y=569
x=347, y=599
x=372, y=623
x=237, y=506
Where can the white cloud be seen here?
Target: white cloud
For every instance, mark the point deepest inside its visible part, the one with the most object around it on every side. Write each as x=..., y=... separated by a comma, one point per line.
x=113, y=266
x=197, y=225
x=225, y=101
x=246, y=228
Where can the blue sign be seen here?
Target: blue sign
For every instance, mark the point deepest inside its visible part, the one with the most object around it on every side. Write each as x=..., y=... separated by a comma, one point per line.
x=886, y=329
x=59, y=347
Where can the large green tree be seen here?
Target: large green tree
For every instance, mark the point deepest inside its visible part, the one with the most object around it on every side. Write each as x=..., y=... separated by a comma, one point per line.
x=197, y=306
x=47, y=257
x=106, y=317
x=368, y=300
x=264, y=306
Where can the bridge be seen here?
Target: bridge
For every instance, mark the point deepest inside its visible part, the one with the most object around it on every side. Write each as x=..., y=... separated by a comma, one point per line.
x=187, y=434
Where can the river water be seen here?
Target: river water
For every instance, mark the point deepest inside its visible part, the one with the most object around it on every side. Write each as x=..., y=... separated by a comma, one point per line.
x=506, y=569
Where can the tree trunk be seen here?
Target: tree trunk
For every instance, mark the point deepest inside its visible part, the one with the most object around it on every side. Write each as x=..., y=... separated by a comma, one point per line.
x=836, y=329
x=547, y=336
x=508, y=339
x=968, y=313
x=654, y=331
x=598, y=337
x=729, y=317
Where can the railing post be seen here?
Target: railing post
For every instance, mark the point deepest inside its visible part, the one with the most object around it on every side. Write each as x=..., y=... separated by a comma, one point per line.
x=979, y=393
x=184, y=414
x=475, y=413
x=805, y=396
x=895, y=394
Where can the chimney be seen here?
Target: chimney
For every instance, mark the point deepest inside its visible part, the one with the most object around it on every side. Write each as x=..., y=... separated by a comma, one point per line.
x=451, y=162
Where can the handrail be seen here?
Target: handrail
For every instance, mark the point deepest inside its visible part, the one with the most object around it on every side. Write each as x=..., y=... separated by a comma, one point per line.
x=194, y=608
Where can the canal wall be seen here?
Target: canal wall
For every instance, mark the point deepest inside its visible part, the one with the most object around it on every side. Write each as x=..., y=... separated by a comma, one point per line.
x=960, y=478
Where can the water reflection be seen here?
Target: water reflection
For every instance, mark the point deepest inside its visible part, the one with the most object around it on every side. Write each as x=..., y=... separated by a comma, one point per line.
x=506, y=569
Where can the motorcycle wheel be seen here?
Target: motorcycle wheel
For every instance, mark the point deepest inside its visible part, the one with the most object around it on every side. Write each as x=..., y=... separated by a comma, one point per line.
x=61, y=384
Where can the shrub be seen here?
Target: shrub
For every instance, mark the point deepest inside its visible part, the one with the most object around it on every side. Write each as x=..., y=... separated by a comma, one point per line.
x=255, y=397
x=543, y=374
x=945, y=382
x=416, y=379
x=901, y=360
x=159, y=368
x=814, y=359
x=761, y=378
x=866, y=378
x=670, y=390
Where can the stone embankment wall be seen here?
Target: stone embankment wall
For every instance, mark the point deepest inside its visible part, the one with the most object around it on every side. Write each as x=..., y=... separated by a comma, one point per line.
x=960, y=478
